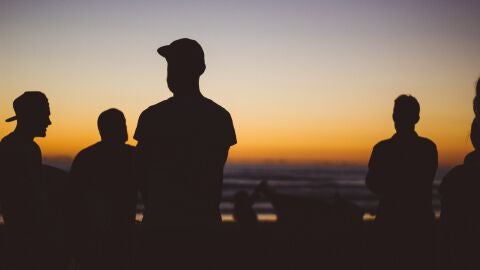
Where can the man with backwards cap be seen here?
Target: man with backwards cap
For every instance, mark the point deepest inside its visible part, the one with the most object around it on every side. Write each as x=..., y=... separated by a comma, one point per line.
x=183, y=143
x=21, y=192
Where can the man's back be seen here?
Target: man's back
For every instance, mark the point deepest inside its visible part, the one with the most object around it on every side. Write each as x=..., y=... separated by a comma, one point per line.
x=401, y=172
x=183, y=144
x=102, y=175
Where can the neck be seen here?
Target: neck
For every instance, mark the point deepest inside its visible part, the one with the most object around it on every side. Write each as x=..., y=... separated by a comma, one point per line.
x=406, y=132
x=190, y=92
x=113, y=141
x=23, y=132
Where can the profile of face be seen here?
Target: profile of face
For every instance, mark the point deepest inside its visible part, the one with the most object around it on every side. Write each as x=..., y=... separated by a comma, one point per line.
x=37, y=124
x=112, y=126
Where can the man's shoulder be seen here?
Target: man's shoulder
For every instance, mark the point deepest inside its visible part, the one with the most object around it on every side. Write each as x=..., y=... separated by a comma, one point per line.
x=213, y=105
x=9, y=140
x=383, y=144
x=158, y=108
x=173, y=103
x=89, y=150
x=14, y=143
x=215, y=108
x=6, y=145
x=427, y=143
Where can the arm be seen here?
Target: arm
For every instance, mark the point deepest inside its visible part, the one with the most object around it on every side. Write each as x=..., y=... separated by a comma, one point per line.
x=142, y=156
x=141, y=163
x=374, y=175
x=434, y=162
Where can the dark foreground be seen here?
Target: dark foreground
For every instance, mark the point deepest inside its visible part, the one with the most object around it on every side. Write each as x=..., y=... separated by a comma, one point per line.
x=269, y=246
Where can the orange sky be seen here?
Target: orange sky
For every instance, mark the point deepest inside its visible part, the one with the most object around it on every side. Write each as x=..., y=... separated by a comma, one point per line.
x=304, y=82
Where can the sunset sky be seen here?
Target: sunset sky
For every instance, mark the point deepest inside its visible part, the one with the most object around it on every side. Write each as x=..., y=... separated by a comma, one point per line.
x=304, y=81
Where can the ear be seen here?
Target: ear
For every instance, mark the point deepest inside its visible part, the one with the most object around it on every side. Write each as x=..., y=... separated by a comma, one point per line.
x=202, y=69
x=417, y=118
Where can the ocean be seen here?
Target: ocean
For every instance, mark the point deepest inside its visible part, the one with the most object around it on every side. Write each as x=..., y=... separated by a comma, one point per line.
x=322, y=181
x=319, y=181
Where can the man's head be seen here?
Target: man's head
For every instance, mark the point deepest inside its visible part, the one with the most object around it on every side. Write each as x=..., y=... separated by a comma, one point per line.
x=32, y=113
x=186, y=62
x=406, y=113
x=112, y=126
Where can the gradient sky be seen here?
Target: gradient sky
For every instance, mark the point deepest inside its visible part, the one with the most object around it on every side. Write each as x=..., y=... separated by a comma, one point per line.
x=305, y=81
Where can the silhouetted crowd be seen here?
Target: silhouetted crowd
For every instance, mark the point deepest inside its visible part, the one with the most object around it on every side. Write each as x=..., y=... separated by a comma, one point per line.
x=88, y=220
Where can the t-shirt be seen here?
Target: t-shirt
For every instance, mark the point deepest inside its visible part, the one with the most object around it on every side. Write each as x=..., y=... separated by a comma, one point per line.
x=401, y=173
x=182, y=147
x=21, y=193
x=102, y=179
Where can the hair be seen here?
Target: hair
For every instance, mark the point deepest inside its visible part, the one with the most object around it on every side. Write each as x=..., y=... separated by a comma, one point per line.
x=406, y=108
x=111, y=124
x=475, y=133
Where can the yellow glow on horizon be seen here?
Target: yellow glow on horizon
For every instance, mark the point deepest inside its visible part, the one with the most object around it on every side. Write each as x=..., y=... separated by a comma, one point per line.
x=319, y=87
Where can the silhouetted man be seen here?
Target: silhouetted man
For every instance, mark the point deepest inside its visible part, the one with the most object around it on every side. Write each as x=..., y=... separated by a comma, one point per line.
x=460, y=217
x=22, y=193
x=401, y=173
x=183, y=144
x=105, y=197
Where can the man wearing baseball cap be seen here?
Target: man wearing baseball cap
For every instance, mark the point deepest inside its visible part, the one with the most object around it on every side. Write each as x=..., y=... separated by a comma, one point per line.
x=183, y=144
x=21, y=192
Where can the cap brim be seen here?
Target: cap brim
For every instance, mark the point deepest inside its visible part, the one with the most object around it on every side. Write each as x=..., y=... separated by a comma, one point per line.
x=164, y=50
x=13, y=118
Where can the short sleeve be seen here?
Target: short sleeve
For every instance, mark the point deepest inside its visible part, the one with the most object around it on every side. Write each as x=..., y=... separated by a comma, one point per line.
x=231, y=137
x=139, y=134
x=374, y=175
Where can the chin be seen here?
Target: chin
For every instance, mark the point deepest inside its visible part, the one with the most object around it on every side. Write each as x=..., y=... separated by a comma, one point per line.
x=42, y=134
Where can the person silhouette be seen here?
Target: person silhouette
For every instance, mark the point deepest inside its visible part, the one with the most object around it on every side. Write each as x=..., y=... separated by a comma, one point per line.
x=104, y=197
x=22, y=194
x=401, y=172
x=460, y=223
x=183, y=144
x=243, y=212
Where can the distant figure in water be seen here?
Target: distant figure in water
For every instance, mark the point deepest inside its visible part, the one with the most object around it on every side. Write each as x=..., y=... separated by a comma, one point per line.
x=401, y=172
x=460, y=218
x=243, y=211
x=104, y=197
x=22, y=193
x=183, y=144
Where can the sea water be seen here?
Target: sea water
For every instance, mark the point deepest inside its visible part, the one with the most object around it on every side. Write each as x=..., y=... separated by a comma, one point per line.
x=322, y=181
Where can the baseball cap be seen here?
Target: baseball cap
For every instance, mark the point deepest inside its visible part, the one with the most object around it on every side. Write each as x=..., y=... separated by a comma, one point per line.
x=184, y=51
x=29, y=103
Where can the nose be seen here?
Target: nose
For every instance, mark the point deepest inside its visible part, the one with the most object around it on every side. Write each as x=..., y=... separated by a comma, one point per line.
x=49, y=122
